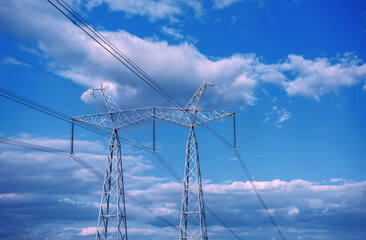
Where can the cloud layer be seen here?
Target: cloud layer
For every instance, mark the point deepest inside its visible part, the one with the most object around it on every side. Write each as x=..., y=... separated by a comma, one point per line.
x=53, y=191
x=154, y=10
x=178, y=68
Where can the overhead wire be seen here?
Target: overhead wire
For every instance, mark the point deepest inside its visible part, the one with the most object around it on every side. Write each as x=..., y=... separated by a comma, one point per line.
x=144, y=77
x=122, y=58
x=85, y=165
x=114, y=48
x=32, y=146
x=47, y=110
x=21, y=59
x=152, y=83
x=218, y=219
x=115, y=52
x=64, y=117
x=74, y=18
x=259, y=196
x=71, y=83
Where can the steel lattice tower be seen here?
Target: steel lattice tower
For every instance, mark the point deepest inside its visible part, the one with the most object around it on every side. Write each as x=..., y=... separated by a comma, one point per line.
x=112, y=213
x=192, y=218
x=112, y=210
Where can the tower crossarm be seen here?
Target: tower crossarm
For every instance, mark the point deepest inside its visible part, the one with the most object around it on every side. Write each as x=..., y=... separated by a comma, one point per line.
x=184, y=116
x=206, y=116
x=173, y=115
x=117, y=120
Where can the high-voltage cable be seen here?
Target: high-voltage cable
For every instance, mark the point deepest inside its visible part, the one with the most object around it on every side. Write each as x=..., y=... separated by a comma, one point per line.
x=71, y=83
x=105, y=44
x=147, y=79
x=242, y=164
x=122, y=58
x=85, y=165
x=32, y=146
x=39, y=107
x=218, y=219
x=54, y=113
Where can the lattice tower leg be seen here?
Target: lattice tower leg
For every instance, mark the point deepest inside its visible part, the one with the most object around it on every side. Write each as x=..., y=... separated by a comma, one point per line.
x=112, y=211
x=192, y=218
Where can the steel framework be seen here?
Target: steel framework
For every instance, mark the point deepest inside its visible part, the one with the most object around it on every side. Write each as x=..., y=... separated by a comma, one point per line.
x=112, y=212
x=192, y=219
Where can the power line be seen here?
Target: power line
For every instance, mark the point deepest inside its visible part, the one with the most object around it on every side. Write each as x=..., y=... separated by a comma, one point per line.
x=64, y=117
x=32, y=146
x=40, y=68
x=122, y=58
x=71, y=83
x=54, y=113
x=85, y=165
x=218, y=219
x=105, y=44
x=242, y=164
x=14, y=97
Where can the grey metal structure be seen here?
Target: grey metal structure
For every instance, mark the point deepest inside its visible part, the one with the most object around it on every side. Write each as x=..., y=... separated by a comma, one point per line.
x=192, y=218
x=112, y=212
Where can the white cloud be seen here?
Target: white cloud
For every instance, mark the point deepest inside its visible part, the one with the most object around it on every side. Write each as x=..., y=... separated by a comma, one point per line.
x=286, y=115
x=293, y=211
x=172, y=32
x=314, y=78
x=219, y=4
x=88, y=231
x=62, y=144
x=154, y=10
x=156, y=234
x=9, y=196
x=334, y=180
x=281, y=115
x=178, y=68
x=13, y=61
x=289, y=200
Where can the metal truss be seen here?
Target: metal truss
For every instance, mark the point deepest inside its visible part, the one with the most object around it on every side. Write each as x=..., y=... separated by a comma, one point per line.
x=126, y=118
x=112, y=211
x=112, y=222
x=192, y=217
x=112, y=214
x=192, y=220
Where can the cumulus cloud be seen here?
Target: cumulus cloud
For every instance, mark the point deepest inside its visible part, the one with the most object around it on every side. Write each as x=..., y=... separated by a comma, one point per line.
x=13, y=61
x=154, y=10
x=178, y=68
x=52, y=185
x=280, y=115
x=219, y=4
x=172, y=32
x=49, y=185
x=293, y=211
x=314, y=78
x=88, y=231
x=296, y=204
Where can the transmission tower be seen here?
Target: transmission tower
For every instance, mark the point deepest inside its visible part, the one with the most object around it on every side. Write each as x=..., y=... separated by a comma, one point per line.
x=192, y=218
x=112, y=213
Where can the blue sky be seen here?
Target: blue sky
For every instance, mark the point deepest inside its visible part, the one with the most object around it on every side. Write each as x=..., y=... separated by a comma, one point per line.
x=293, y=71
